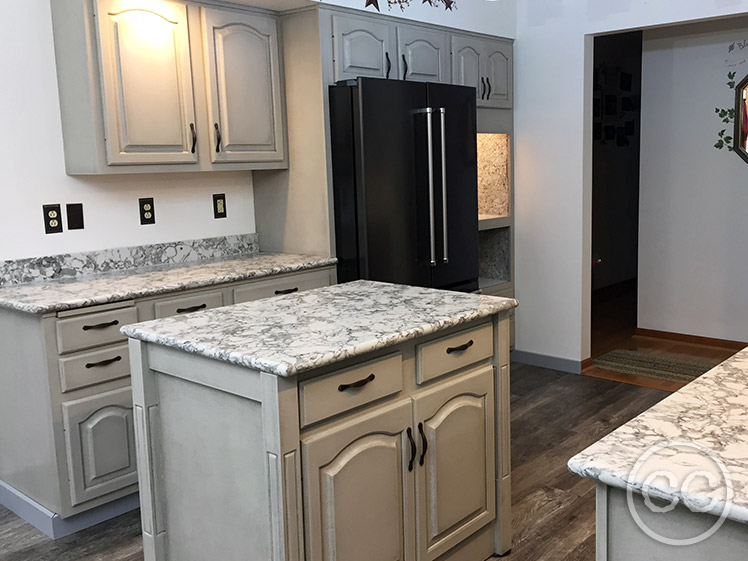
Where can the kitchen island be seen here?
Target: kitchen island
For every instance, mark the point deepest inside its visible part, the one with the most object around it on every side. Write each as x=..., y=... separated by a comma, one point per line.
x=363, y=421
x=672, y=484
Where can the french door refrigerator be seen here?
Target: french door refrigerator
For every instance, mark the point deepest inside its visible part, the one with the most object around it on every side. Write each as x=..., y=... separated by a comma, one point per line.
x=405, y=182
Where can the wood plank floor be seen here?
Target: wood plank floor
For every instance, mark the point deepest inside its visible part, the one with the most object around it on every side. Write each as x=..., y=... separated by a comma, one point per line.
x=554, y=416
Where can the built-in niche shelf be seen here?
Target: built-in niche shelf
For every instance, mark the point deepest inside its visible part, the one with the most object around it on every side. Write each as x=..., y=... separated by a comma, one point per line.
x=494, y=183
x=495, y=256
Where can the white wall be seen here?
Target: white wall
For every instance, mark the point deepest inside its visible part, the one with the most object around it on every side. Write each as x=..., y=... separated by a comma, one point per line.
x=552, y=157
x=32, y=169
x=482, y=16
x=693, y=255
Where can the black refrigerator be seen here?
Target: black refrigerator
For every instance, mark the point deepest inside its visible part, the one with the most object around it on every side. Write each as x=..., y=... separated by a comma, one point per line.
x=405, y=182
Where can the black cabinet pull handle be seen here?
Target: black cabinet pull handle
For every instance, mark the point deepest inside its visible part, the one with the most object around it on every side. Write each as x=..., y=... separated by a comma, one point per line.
x=405, y=71
x=483, y=87
x=191, y=309
x=218, y=137
x=287, y=291
x=412, y=449
x=389, y=65
x=356, y=385
x=461, y=348
x=425, y=444
x=194, y=137
x=488, y=95
x=101, y=325
x=106, y=362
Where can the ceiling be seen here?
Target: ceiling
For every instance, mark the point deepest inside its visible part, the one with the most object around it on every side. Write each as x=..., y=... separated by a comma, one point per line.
x=277, y=5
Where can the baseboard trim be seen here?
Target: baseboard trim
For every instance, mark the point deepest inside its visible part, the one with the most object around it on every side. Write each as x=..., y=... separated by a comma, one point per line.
x=692, y=339
x=51, y=524
x=546, y=361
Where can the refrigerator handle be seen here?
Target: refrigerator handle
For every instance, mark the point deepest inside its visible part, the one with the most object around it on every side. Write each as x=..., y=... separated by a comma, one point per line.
x=443, y=115
x=428, y=111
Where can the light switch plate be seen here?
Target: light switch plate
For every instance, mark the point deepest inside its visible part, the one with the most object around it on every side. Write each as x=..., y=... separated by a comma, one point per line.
x=75, y=216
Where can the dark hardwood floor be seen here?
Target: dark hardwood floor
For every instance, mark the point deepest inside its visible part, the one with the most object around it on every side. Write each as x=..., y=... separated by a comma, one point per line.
x=554, y=416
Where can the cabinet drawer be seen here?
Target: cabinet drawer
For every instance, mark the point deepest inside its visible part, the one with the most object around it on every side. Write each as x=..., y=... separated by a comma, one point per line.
x=93, y=330
x=188, y=304
x=277, y=287
x=436, y=358
x=95, y=367
x=343, y=390
x=100, y=444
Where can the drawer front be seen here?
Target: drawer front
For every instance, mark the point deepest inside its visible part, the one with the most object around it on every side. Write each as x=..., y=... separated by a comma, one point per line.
x=93, y=330
x=323, y=397
x=100, y=444
x=94, y=367
x=439, y=357
x=188, y=304
x=277, y=287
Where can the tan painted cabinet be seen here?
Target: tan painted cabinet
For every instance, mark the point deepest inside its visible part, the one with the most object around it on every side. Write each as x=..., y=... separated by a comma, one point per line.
x=456, y=477
x=359, y=490
x=245, y=98
x=146, y=74
x=167, y=85
x=362, y=475
x=486, y=66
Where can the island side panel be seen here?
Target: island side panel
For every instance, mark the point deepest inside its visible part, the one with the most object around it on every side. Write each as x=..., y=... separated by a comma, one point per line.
x=502, y=335
x=619, y=538
x=226, y=460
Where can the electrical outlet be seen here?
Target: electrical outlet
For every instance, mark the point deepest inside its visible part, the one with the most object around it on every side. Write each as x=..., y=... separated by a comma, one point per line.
x=75, y=216
x=219, y=206
x=147, y=211
x=52, y=219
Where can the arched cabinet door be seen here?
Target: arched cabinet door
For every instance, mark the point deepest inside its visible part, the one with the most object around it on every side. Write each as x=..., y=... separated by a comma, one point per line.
x=358, y=490
x=467, y=64
x=245, y=98
x=456, y=481
x=499, y=74
x=362, y=47
x=149, y=112
x=100, y=442
x=423, y=55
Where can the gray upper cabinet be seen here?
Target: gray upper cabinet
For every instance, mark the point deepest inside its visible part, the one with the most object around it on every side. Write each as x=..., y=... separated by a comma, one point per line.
x=423, y=55
x=146, y=76
x=486, y=66
x=245, y=98
x=362, y=47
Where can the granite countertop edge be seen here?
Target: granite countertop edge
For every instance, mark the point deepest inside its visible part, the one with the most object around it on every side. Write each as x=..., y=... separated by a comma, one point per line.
x=17, y=302
x=289, y=369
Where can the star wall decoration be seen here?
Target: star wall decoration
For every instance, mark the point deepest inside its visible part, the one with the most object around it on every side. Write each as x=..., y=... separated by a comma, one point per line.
x=448, y=4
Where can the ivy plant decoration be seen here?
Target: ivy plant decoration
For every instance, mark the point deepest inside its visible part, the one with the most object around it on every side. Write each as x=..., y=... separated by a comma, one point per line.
x=727, y=116
x=448, y=4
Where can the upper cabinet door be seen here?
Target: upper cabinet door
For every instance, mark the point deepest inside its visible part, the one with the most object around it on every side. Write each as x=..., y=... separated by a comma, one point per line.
x=149, y=113
x=358, y=488
x=456, y=482
x=423, y=55
x=362, y=48
x=467, y=64
x=245, y=98
x=498, y=73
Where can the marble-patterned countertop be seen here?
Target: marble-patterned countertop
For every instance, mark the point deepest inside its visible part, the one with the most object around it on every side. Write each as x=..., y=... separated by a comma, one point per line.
x=701, y=428
x=58, y=295
x=291, y=334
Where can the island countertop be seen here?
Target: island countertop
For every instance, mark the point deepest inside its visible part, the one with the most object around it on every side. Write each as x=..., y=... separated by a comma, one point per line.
x=703, y=426
x=59, y=295
x=299, y=332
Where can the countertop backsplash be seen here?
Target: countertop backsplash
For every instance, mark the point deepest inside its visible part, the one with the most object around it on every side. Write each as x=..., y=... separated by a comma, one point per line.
x=75, y=265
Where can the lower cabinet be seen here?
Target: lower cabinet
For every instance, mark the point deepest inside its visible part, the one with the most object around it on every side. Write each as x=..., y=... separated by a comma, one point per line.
x=100, y=444
x=416, y=477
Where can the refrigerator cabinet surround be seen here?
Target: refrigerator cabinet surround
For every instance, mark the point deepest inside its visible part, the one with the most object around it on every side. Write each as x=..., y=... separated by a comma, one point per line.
x=405, y=182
